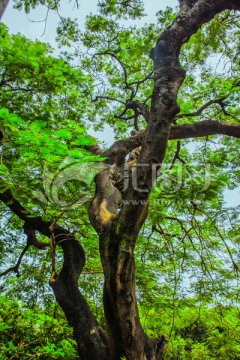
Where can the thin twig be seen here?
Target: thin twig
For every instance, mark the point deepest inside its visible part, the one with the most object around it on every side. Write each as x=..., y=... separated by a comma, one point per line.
x=16, y=267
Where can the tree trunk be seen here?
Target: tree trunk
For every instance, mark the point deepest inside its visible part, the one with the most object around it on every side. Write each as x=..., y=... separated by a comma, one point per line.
x=118, y=215
x=126, y=336
x=118, y=224
x=3, y=5
x=92, y=341
x=118, y=232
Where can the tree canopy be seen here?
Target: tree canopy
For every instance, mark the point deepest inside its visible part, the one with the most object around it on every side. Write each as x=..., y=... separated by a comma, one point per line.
x=136, y=235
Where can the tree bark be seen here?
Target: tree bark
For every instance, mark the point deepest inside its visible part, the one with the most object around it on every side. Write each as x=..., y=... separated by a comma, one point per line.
x=90, y=337
x=92, y=341
x=118, y=232
x=118, y=214
x=3, y=5
x=118, y=151
x=118, y=223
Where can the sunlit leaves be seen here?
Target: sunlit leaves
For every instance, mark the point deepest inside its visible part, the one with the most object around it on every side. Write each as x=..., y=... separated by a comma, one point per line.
x=46, y=149
x=37, y=86
x=187, y=253
x=27, y=5
x=27, y=333
x=199, y=333
x=39, y=91
x=63, y=133
x=67, y=32
x=122, y=9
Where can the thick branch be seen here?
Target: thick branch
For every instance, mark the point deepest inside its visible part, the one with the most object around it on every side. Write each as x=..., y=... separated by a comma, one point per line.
x=92, y=342
x=204, y=128
x=121, y=148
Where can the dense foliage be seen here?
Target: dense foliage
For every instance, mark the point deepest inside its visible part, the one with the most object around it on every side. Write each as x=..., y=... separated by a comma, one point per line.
x=31, y=333
x=187, y=253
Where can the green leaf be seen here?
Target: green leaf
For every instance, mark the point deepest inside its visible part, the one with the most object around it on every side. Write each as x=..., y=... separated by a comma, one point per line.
x=87, y=141
x=3, y=169
x=63, y=133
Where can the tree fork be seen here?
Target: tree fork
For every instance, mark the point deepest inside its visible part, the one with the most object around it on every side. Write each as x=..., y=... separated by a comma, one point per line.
x=118, y=238
x=117, y=227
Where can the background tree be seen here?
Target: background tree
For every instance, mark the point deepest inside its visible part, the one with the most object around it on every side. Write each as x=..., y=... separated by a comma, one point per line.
x=186, y=231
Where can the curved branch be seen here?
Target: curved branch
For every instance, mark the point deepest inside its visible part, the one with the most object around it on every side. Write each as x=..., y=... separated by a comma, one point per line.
x=31, y=240
x=127, y=85
x=12, y=88
x=91, y=339
x=108, y=98
x=119, y=150
x=142, y=108
x=139, y=82
x=94, y=149
x=220, y=102
x=177, y=156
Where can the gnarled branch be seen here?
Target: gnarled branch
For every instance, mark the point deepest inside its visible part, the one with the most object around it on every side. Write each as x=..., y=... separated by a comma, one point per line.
x=91, y=339
x=119, y=150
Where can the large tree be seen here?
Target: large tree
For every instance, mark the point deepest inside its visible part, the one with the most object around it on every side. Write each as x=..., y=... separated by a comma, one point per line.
x=148, y=100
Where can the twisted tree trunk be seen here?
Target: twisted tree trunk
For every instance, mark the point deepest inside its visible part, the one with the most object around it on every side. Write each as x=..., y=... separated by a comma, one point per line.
x=92, y=341
x=117, y=214
x=90, y=337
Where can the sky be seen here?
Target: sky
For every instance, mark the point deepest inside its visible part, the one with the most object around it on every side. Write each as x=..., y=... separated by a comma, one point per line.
x=29, y=25
x=33, y=27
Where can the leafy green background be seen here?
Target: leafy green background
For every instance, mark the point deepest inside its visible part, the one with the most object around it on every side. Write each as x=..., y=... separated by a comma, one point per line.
x=187, y=254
